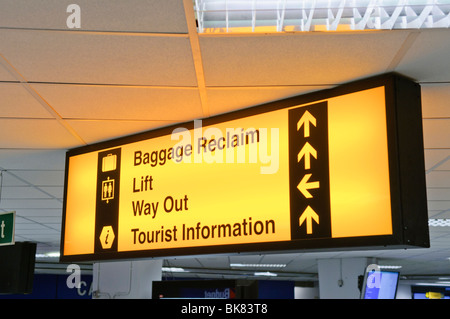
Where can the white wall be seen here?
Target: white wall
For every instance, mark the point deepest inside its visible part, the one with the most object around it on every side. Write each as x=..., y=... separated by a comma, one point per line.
x=338, y=278
x=125, y=279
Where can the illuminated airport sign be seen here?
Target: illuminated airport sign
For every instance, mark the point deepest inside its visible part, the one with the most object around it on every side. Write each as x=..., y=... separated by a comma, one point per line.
x=341, y=168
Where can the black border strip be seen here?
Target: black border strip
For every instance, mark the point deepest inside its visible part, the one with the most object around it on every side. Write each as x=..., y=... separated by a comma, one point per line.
x=397, y=169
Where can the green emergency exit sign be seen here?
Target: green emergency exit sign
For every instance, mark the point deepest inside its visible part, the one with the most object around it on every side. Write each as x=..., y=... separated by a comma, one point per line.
x=7, y=221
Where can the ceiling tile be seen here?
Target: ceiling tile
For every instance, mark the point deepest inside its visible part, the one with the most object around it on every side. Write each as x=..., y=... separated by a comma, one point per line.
x=78, y=57
x=439, y=204
x=186, y=262
x=427, y=58
x=27, y=133
x=10, y=204
x=435, y=99
x=438, y=194
x=24, y=227
x=45, y=220
x=438, y=179
x=122, y=102
x=5, y=75
x=55, y=191
x=438, y=159
x=96, y=131
x=17, y=102
x=26, y=192
x=13, y=159
x=100, y=15
x=11, y=180
x=436, y=133
x=297, y=59
x=223, y=100
x=23, y=214
x=41, y=178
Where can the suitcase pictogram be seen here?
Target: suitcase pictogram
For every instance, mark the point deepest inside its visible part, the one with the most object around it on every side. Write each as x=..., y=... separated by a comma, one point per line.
x=109, y=163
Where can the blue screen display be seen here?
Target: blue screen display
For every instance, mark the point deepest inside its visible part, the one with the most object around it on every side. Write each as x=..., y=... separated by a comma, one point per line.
x=381, y=285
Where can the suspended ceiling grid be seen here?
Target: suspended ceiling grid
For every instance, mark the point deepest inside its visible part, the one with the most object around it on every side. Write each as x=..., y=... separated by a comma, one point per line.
x=138, y=65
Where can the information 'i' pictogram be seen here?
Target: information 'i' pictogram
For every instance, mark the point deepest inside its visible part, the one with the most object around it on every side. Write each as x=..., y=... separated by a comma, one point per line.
x=309, y=172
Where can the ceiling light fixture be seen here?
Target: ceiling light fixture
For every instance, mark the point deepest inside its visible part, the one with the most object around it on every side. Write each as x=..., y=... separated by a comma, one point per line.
x=243, y=16
x=266, y=273
x=389, y=267
x=439, y=222
x=441, y=283
x=173, y=269
x=239, y=265
x=54, y=254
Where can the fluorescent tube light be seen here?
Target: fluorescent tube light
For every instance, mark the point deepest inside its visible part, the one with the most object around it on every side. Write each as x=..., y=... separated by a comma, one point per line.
x=266, y=273
x=239, y=265
x=173, y=269
x=389, y=267
x=438, y=284
x=54, y=254
x=244, y=16
x=439, y=222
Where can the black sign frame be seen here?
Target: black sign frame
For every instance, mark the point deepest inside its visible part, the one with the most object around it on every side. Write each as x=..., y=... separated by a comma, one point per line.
x=406, y=173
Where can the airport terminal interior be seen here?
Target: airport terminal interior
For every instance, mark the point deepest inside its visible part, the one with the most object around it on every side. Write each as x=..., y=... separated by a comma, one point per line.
x=79, y=72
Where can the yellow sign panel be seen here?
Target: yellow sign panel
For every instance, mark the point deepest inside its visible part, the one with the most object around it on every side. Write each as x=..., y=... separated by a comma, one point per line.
x=310, y=171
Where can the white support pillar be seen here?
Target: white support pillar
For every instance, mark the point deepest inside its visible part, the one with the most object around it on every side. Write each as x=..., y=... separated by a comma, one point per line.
x=338, y=278
x=125, y=279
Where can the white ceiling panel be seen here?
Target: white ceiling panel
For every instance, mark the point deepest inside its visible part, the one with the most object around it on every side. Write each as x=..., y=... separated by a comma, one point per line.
x=54, y=191
x=122, y=102
x=41, y=178
x=93, y=131
x=437, y=159
x=4, y=74
x=10, y=204
x=17, y=102
x=79, y=57
x=438, y=205
x=23, y=215
x=427, y=58
x=438, y=194
x=24, y=192
x=223, y=100
x=46, y=220
x=37, y=159
x=445, y=164
x=436, y=100
x=185, y=262
x=438, y=179
x=297, y=59
x=29, y=225
x=441, y=214
x=27, y=133
x=11, y=180
x=436, y=133
x=101, y=15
